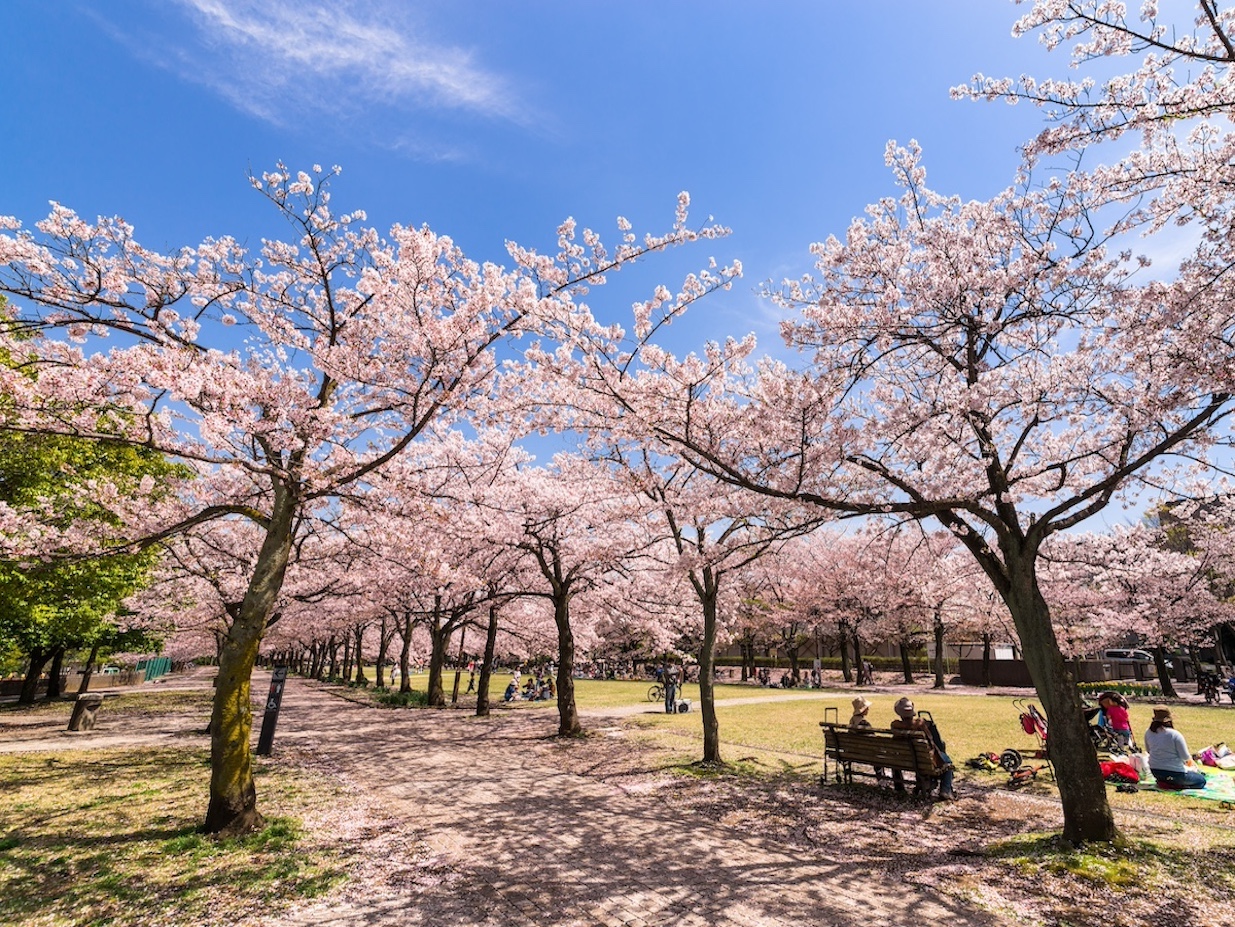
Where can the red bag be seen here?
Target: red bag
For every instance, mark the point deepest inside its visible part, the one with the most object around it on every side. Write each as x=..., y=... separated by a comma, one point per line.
x=1124, y=772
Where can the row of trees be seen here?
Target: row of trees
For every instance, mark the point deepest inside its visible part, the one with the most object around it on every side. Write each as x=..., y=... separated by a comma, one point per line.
x=1002, y=370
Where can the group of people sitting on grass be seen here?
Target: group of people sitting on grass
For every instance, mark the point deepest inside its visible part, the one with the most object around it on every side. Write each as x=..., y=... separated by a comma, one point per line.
x=538, y=688
x=811, y=680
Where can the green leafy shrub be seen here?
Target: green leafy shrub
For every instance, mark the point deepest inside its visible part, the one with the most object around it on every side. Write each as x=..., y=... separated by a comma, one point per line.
x=1137, y=689
x=413, y=699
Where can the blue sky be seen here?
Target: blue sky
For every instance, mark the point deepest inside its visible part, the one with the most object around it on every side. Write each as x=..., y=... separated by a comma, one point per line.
x=495, y=120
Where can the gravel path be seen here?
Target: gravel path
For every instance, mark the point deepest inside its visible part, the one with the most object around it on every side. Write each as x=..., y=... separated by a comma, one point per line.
x=515, y=838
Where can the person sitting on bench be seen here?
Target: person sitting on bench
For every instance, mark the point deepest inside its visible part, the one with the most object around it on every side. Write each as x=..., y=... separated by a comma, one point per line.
x=907, y=720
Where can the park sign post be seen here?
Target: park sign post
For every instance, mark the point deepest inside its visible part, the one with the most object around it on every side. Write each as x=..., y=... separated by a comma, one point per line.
x=271, y=717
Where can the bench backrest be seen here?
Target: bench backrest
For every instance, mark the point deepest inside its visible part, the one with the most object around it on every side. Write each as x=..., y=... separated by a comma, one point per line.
x=910, y=750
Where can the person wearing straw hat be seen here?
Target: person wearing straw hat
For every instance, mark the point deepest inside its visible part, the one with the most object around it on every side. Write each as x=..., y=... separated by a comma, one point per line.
x=1168, y=754
x=860, y=709
x=858, y=721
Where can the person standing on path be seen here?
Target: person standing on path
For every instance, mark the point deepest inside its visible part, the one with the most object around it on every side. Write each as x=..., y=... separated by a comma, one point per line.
x=671, y=689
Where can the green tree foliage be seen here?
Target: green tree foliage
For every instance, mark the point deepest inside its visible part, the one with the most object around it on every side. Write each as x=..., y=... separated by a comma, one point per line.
x=61, y=604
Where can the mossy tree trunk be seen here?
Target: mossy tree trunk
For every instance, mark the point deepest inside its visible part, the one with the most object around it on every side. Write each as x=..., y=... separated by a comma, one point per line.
x=233, y=797
x=1082, y=790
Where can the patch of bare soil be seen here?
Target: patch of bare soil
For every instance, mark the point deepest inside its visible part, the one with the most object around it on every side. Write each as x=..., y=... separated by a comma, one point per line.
x=993, y=848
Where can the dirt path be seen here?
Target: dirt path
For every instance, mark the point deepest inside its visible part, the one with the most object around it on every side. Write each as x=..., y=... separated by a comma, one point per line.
x=516, y=839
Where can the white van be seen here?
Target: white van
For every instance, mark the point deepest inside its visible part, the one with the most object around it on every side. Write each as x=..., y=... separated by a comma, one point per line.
x=1131, y=656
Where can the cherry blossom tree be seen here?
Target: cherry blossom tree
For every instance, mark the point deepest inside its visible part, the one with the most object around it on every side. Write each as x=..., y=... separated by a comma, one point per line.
x=1128, y=584
x=709, y=531
x=285, y=377
x=1204, y=529
x=988, y=365
x=572, y=523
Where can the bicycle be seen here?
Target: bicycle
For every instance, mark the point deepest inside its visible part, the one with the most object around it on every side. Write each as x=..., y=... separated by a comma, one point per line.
x=656, y=693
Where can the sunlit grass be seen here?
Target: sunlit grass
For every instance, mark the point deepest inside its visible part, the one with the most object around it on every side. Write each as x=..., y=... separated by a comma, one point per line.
x=786, y=734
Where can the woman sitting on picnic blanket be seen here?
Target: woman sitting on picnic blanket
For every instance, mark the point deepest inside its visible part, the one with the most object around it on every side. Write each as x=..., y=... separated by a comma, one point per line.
x=906, y=720
x=1169, y=756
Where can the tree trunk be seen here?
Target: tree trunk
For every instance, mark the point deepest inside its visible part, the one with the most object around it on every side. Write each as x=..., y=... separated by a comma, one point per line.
x=454, y=692
x=233, y=796
x=568, y=714
x=986, y=659
x=1220, y=659
x=707, y=693
x=857, y=660
x=383, y=644
x=334, y=657
x=906, y=666
x=1082, y=791
x=1164, y=675
x=486, y=667
x=439, y=637
x=845, y=671
x=53, y=674
x=405, y=656
x=793, y=665
x=939, y=644
x=30, y=685
x=361, y=679
x=88, y=673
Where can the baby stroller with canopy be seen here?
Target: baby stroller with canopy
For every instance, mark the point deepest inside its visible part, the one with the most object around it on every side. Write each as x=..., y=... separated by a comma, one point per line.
x=1032, y=722
x=1105, y=737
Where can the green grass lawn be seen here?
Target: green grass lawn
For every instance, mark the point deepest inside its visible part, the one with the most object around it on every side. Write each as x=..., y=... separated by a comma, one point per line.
x=786, y=736
x=781, y=732
x=93, y=837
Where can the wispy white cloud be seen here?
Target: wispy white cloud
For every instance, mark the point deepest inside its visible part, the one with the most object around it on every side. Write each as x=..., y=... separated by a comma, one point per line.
x=282, y=60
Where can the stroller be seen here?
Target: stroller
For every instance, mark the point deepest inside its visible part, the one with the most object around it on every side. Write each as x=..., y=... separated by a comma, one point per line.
x=1103, y=734
x=1034, y=722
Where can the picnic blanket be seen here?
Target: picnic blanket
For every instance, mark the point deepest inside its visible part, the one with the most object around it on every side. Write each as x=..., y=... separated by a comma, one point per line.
x=1219, y=786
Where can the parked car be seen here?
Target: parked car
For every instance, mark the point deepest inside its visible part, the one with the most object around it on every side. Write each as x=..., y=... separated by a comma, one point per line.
x=1131, y=656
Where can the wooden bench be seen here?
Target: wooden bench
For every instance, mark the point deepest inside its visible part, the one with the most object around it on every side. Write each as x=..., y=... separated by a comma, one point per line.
x=907, y=751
